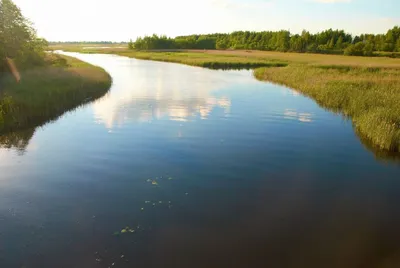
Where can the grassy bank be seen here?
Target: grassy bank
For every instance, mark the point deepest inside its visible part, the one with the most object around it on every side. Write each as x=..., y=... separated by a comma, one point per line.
x=44, y=93
x=365, y=89
x=193, y=58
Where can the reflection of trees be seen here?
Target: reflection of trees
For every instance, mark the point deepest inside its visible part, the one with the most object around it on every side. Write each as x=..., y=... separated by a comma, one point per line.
x=18, y=140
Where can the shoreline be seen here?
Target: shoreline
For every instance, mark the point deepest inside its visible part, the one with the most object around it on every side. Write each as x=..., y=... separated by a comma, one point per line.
x=46, y=93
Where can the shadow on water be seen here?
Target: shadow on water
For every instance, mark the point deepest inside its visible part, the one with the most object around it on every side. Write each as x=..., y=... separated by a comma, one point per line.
x=380, y=155
x=18, y=140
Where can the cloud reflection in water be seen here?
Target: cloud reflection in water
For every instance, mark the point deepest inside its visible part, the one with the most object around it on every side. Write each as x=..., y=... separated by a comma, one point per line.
x=147, y=95
x=292, y=114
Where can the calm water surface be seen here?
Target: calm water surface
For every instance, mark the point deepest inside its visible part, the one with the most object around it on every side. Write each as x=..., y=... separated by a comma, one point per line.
x=206, y=169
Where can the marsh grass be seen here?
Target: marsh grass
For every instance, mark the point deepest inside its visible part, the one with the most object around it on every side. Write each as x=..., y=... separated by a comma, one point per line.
x=364, y=89
x=205, y=60
x=45, y=93
x=200, y=59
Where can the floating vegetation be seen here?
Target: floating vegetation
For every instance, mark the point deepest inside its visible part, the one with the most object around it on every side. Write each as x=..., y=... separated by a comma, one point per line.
x=154, y=183
x=125, y=230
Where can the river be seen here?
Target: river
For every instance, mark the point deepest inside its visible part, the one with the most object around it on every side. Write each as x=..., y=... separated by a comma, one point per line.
x=181, y=166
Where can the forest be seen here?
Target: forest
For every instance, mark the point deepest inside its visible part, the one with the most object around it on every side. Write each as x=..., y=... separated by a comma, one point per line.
x=326, y=42
x=85, y=43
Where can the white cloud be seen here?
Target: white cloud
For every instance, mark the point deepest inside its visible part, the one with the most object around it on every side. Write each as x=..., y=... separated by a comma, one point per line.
x=231, y=4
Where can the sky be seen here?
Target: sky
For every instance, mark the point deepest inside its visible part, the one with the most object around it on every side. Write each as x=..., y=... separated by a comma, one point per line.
x=121, y=20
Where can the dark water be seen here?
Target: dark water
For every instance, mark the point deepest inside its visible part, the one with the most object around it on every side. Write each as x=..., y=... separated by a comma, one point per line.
x=206, y=168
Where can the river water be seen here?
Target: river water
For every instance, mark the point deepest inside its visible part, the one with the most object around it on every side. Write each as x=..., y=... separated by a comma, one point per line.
x=181, y=166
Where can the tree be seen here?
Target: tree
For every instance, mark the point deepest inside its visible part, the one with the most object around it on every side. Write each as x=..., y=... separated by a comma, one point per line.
x=339, y=43
x=18, y=38
x=398, y=45
x=222, y=43
x=355, y=50
x=130, y=44
x=331, y=43
x=322, y=42
x=356, y=39
x=283, y=41
x=368, y=49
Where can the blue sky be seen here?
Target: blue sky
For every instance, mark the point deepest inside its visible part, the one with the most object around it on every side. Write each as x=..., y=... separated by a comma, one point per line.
x=120, y=20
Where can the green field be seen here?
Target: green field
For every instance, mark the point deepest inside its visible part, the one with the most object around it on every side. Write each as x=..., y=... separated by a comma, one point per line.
x=364, y=89
x=46, y=92
x=200, y=57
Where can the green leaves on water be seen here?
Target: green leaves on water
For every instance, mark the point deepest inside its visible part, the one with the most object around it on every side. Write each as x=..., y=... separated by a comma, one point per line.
x=125, y=231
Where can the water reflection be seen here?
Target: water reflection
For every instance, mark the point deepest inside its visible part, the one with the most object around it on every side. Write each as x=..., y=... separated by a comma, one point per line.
x=115, y=110
x=292, y=114
x=18, y=140
x=138, y=97
x=380, y=155
x=290, y=92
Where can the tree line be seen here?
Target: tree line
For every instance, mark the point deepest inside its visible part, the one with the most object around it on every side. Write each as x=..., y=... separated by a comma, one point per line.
x=18, y=39
x=327, y=42
x=85, y=42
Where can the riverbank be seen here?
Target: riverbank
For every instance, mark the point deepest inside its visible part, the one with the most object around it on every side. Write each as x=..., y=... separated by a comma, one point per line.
x=189, y=57
x=45, y=93
x=364, y=89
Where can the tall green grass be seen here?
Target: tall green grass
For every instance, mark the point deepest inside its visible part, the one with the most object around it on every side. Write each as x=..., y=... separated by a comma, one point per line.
x=45, y=93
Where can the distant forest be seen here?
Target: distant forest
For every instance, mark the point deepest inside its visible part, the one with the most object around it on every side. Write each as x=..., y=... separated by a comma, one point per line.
x=327, y=42
x=86, y=42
